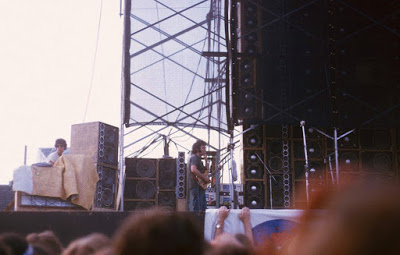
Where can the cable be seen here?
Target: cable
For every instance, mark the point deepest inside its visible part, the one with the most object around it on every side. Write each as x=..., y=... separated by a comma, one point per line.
x=141, y=150
x=153, y=148
x=94, y=61
x=163, y=63
x=191, y=87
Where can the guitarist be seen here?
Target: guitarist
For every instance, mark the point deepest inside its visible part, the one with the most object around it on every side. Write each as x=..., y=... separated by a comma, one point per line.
x=197, y=200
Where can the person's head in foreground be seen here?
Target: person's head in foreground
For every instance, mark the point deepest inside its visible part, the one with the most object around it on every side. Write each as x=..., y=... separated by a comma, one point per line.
x=158, y=232
x=362, y=219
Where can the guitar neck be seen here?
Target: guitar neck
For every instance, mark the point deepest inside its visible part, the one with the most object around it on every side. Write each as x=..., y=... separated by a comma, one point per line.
x=214, y=172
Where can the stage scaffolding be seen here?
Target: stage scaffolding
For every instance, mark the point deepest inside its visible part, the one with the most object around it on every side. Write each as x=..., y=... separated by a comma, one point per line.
x=179, y=57
x=175, y=81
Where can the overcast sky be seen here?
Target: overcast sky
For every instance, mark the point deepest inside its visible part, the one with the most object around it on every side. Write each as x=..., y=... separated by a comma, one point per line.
x=47, y=51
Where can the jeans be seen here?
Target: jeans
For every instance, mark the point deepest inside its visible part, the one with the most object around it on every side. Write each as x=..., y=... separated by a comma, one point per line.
x=197, y=201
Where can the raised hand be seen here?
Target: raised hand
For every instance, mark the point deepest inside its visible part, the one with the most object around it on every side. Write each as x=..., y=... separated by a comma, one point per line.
x=223, y=213
x=244, y=215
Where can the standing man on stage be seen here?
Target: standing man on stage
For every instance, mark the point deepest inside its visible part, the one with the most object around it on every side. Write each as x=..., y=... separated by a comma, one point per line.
x=197, y=200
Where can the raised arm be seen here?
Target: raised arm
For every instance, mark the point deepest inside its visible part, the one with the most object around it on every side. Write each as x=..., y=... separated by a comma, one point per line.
x=223, y=213
x=244, y=216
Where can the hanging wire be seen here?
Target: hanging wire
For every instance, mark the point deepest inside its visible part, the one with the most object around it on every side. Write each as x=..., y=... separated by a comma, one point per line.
x=163, y=62
x=94, y=61
x=159, y=142
x=141, y=150
x=190, y=90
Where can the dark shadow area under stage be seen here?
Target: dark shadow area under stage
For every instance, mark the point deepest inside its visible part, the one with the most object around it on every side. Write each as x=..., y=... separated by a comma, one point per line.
x=68, y=225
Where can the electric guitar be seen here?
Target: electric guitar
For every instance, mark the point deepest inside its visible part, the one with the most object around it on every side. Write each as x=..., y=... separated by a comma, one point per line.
x=204, y=184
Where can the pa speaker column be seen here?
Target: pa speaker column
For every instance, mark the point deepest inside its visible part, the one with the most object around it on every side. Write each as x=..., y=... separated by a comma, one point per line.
x=100, y=142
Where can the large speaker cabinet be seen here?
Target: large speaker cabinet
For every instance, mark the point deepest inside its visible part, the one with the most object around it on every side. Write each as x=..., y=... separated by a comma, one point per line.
x=100, y=142
x=366, y=155
x=97, y=140
x=150, y=182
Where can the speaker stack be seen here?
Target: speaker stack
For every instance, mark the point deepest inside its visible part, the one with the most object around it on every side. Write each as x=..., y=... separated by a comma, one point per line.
x=247, y=95
x=167, y=183
x=254, y=173
x=150, y=182
x=366, y=155
x=280, y=150
x=99, y=141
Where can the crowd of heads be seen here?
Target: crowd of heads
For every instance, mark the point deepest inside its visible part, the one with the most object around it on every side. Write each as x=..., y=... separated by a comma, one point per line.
x=151, y=232
x=356, y=220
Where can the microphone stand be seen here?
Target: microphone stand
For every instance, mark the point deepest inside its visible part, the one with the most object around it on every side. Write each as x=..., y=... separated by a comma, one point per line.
x=306, y=165
x=330, y=166
x=270, y=180
x=335, y=139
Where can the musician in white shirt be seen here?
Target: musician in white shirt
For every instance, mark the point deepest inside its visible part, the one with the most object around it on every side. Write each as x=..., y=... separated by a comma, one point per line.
x=61, y=146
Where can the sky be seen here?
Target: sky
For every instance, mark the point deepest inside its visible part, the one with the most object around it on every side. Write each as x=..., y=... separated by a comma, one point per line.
x=52, y=78
x=47, y=52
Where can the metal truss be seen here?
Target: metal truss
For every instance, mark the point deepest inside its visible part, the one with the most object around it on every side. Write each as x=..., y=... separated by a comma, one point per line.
x=158, y=40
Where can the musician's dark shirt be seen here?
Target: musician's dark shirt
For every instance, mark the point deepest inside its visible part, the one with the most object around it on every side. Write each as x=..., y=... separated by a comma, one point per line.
x=195, y=160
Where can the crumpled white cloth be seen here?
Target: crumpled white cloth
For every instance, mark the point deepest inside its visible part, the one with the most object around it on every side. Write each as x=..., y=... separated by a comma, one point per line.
x=23, y=179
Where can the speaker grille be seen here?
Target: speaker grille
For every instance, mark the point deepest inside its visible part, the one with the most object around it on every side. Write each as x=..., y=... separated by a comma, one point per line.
x=253, y=138
x=181, y=176
x=254, y=194
x=281, y=191
x=141, y=168
x=375, y=139
x=108, y=144
x=377, y=161
x=167, y=199
x=254, y=171
x=167, y=173
x=253, y=164
x=105, y=188
x=348, y=160
x=139, y=189
x=314, y=149
x=316, y=170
